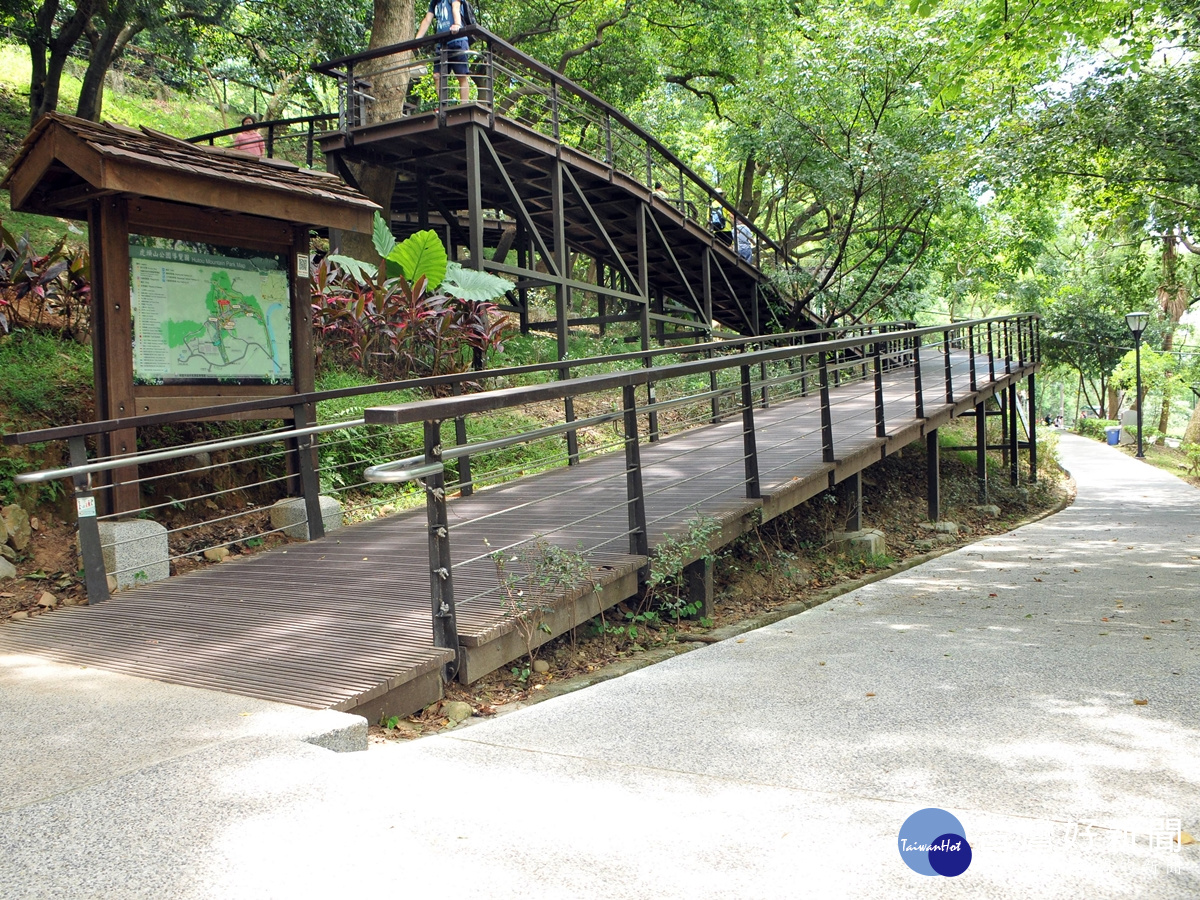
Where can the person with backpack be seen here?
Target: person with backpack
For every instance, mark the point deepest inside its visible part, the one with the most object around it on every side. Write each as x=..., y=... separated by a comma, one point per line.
x=718, y=221
x=451, y=17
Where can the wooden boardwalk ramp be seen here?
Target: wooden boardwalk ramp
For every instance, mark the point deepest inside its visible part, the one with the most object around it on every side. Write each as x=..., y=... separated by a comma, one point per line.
x=344, y=622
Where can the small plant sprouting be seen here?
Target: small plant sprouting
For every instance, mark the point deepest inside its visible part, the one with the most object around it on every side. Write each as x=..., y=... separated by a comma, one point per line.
x=531, y=578
x=665, y=583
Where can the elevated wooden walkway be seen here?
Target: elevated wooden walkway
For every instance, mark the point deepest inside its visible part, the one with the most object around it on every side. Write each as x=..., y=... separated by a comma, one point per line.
x=534, y=171
x=344, y=622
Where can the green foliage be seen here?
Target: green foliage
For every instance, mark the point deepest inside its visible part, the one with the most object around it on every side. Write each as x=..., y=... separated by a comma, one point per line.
x=532, y=577
x=44, y=378
x=386, y=318
x=49, y=290
x=419, y=257
x=665, y=584
x=1095, y=428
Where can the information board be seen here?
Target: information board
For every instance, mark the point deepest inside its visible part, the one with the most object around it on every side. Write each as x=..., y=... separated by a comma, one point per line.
x=208, y=317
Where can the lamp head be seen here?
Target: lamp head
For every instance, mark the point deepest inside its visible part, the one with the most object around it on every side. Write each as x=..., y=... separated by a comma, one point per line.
x=1137, y=322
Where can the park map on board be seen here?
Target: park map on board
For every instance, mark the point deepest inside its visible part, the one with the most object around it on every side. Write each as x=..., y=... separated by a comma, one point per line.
x=203, y=318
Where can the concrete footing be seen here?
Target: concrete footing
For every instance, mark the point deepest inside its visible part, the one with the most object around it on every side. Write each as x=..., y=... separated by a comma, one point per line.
x=867, y=542
x=290, y=515
x=135, y=551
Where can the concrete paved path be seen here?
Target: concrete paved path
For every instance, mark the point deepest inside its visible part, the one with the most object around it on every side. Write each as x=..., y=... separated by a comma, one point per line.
x=997, y=682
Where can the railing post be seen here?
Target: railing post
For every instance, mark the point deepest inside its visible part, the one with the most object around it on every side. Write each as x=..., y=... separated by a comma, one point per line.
x=877, y=364
x=715, y=402
x=490, y=80
x=95, y=578
x=639, y=539
x=270, y=142
x=749, y=444
x=826, y=412
x=918, y=393
x=991, y=355
x=608, y=153
x=949, y=368
x=649, y=167
x=310, y=486
x=971, y=355
x=308, y=150
x=465, y=484
x=554, y=107
x=441, y=578
x=1007, y=346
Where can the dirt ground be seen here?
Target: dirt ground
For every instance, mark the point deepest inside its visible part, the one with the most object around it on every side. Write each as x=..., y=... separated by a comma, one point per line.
x=785, y=561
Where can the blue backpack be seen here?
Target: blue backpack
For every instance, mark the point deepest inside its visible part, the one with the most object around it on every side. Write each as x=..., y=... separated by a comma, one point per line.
x=443, y=12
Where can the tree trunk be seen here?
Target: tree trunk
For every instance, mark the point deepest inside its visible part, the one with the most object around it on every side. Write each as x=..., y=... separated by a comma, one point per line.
x=46, y=75
x=1192, y=434
x=392, y=24
x=1114, y=402
x=1174, y=298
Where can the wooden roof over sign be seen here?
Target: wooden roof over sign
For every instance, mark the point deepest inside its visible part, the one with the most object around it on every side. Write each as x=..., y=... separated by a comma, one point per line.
x=65, y=163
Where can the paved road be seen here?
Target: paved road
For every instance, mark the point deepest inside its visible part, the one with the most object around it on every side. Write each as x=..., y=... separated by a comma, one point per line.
x=997, y=682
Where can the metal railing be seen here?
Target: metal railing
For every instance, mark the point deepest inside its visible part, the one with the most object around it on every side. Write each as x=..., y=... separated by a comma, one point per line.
x=293, y=139
x=846, y=382
x=238, y=490
x=989, y=351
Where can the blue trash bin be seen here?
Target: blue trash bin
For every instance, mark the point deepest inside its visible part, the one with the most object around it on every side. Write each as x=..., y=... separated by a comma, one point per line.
x=1113, y=433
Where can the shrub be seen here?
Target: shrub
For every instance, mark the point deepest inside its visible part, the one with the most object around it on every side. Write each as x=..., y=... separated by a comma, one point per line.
x=414, y=314
x=43, y=290
x=1094, y=428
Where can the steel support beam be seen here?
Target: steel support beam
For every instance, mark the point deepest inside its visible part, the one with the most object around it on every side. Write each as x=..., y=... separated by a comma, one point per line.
x=933, y=486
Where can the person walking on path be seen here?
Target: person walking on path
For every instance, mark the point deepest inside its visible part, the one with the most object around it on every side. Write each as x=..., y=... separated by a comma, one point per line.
x=250, y=141
x=448, y=14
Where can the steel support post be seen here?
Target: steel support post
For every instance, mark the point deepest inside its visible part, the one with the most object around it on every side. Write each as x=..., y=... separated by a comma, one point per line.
x=1012, y=434
x=698, y=582
x=639, y=539
x=95, y=577
x=562, y=300
x=851, y=490
x=981, y=450
x=933, y=487
x=310, y=485
x=1032, y=430
x=826, y=411
x=1002, y=399
x=643, y=289
x=706, y=288
x=474, y=197
x=441, y=567
x=749, y=443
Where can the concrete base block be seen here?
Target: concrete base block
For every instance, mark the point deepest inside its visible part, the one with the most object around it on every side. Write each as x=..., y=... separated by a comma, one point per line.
x=868, y=542
x=290, y=515
x=336, y=731
x=135, y=551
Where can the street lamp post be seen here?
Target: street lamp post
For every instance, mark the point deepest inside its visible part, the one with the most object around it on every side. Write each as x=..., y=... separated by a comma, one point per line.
x=1137, y=324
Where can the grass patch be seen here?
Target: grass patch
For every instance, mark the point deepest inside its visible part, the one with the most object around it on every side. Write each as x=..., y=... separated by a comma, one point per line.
x=44, y=381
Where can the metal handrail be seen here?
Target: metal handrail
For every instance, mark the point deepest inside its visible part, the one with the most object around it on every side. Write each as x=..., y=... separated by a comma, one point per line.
x=456, y=407
x=150, y=456
x=105, y=426
x=343, y=69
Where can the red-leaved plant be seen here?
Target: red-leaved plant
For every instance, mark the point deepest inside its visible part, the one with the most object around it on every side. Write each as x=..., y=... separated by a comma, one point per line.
x=414, y=314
